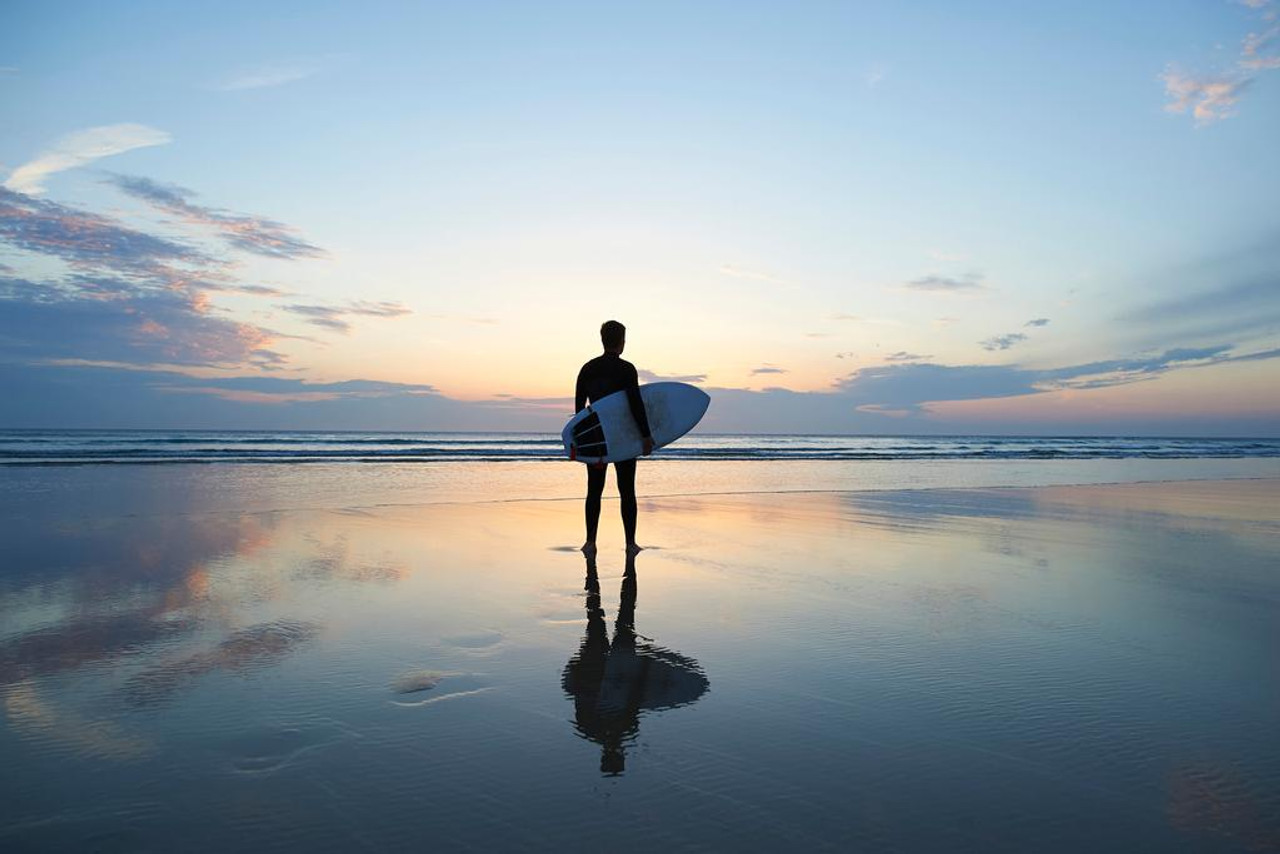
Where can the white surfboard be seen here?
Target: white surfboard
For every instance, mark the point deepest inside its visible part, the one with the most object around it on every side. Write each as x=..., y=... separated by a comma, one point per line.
x=605, y=432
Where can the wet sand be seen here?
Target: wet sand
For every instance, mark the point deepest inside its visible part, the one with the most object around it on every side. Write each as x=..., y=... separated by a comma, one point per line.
x=1057, y=668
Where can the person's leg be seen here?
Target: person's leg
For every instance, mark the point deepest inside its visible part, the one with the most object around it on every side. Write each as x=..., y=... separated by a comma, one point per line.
x=627, y=490
x=595, y=489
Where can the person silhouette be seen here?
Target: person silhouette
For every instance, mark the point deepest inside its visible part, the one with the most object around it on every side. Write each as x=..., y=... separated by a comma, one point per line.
x=612, y=682
x=602, y=376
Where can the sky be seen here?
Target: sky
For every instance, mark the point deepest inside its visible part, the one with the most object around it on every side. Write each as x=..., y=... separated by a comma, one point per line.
x=834, y=217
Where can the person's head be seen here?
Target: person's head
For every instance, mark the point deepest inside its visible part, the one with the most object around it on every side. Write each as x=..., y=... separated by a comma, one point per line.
x=613, y=335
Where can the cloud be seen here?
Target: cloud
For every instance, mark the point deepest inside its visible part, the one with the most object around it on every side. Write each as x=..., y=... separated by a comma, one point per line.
x=99, y=318
x=1209, y=98
x=945, y=284
x=378, y=309
x=259, y=290
x=108, y=397
x=267, y=76
x=81, y=147
x=333, y=317
x=128, y=296
x=1213, y=97
x=131, y=298
x=276, y=390
x=1039, y=321
x=914, y=385
x=1253, y=53
x=904, y=356
x=651, y=377
x=89, y=241
x=768, y=369
x=874, y=76
x=258, y=235
x=1002, y=342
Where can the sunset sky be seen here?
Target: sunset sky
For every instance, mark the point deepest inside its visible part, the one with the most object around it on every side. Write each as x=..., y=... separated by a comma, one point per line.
x=834, y=217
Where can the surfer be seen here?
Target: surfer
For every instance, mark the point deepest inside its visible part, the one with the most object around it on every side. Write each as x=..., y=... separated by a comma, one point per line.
x=599, y=377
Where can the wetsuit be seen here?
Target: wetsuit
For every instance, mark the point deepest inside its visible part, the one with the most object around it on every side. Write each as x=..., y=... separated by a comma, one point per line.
x=598, y=378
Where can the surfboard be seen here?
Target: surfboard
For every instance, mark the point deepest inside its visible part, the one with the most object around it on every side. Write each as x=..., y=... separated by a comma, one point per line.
x=605, y=432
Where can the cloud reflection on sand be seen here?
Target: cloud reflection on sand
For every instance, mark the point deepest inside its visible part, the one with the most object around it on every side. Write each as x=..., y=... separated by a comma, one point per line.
x=242, y=652
x=140, y=609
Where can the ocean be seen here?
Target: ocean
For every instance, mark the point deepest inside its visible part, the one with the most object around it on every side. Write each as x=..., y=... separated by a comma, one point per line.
x=70, y=447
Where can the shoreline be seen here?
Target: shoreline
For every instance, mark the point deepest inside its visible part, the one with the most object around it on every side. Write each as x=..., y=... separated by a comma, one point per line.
x=102, y=491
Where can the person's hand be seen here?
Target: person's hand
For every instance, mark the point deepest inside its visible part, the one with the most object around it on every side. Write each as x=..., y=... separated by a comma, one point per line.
x=648, y=446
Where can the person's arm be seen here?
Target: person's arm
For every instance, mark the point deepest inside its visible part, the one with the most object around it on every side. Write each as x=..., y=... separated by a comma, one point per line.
x=580, y=392
x=637, y=408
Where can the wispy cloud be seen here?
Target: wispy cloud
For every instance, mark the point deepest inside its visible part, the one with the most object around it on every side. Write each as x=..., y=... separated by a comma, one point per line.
x=874, y=76
x=768, y=369
x=335, y=317
x=276, y=390
x=1003, y=342
x=260, y=290
x=1211, y=97
x=266, y=76
x=89, y=241
x=1254, y=52
x=81, y=147
x=946, y=284
x=651, y=377
x=904, y=356
x=258, y=235
x=1039, y=321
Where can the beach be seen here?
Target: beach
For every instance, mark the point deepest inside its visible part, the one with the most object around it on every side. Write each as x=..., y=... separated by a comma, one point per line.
x=958, y=656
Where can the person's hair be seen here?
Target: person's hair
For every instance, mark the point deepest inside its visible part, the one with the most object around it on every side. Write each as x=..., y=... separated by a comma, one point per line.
x=612, y=334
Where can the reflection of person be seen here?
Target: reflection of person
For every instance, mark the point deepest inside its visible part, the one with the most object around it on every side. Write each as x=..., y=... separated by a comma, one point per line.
x=612, y=682
x=602, y=376
x=584, y=678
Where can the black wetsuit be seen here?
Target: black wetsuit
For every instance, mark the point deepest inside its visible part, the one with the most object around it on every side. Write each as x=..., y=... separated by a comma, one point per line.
x=598, y=378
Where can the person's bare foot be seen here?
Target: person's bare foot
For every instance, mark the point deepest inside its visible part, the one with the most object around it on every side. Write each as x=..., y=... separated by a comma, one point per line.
x=589, y=549
x=634, y=548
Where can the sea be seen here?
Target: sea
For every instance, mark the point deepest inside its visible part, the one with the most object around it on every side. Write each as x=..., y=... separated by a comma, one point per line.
x=84, y=447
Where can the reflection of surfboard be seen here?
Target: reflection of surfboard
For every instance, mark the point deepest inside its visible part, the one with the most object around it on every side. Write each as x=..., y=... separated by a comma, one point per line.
x=605, y=432
x=642, y=676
